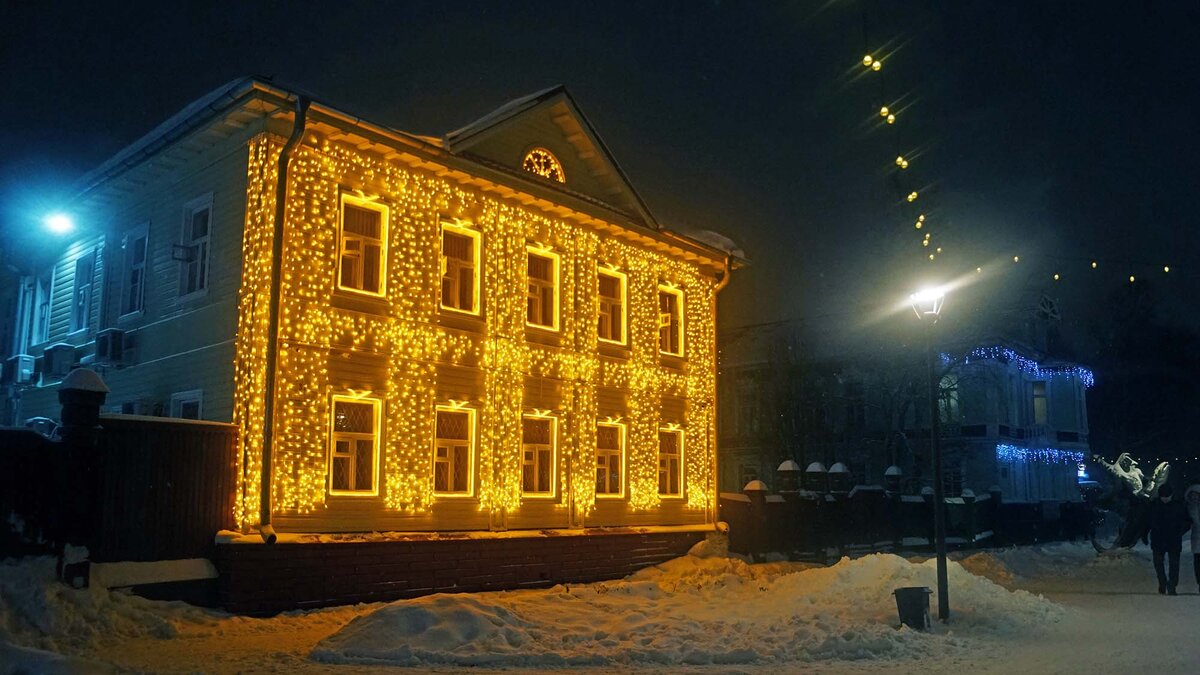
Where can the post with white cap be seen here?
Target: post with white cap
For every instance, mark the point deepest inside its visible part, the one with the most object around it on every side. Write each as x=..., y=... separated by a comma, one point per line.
x=81, y=395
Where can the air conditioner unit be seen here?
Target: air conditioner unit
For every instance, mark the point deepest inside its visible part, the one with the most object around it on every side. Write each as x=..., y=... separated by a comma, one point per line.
x=58, y=360
x=18, y=369
x=110, y=347
x=137, y=408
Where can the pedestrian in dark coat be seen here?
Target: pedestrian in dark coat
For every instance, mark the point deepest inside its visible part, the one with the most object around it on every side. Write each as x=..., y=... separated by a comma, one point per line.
x=1169, y=519
x=1191, y=497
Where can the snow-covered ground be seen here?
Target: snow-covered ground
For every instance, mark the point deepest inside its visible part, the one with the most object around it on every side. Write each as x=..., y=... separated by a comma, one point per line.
x=1053, y=608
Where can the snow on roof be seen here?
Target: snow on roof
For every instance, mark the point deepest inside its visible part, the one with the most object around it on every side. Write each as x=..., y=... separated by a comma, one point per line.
x=504, y=112
x=816, y=467
x=715, y=240
x=83, y=379
x=839, y=468
x=755, y=486
x=789, y=465
x=894, y=470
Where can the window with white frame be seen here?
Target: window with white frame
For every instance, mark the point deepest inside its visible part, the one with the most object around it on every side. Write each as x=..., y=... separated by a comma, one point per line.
x=133, y=276
x=452, y=455
x=81, y=294
x=610, y=456
x=194, y=246
x=460, y=268
x=537, y=455
x=362, y=246
x=670, y=462
x=610, y=308
x=1040, y=409
x=188, y=405
x=39, y=330
x=542, y=299
x=670, y=321
x=354, y=446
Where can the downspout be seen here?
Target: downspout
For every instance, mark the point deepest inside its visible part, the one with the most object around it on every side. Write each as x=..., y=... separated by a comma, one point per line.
x=265, y=528
x=716, y=477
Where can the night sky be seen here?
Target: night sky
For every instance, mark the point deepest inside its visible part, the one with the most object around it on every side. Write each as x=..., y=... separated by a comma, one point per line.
x=1059, y=132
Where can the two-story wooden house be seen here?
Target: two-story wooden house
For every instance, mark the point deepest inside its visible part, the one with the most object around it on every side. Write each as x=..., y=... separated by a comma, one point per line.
x=486, y=330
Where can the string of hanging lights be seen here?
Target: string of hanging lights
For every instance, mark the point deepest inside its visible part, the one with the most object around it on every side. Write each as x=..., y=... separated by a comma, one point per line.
x=1060, y=268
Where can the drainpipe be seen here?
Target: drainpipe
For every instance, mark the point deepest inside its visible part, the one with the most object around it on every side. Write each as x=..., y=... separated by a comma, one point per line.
x=265, y=529
x=716, y=478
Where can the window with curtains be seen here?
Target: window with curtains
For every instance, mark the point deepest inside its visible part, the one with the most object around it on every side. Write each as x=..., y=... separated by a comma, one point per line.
x=542, y=298
x=354, y=446
x=362, y=246
x=610, y=456
x=81, y=295
x=537, y=456
x=192, y=252
x=670, y=321
x=610, y=307
x=460, y=269
x=133, y=275
x=452, y=452
x=670, y=466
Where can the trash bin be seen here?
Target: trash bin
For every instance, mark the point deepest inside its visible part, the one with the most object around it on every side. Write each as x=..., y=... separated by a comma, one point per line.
x=913, y=605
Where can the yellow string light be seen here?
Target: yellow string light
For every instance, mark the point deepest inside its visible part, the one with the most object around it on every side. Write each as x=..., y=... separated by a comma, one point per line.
x=1131, y=278
x=412, y=349
x=1056, y=277
x=912, y=196
x=1166, y=268
x=1016, y=258
x=866, y=60
x=883, y=112
x=891, y=119
x=877, y=66
x=1094, y=265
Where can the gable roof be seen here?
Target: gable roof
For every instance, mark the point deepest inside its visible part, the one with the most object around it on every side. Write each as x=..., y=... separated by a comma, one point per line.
x=556, y=103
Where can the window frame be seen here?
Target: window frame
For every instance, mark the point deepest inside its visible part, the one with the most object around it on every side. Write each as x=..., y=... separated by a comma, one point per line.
x=1044, y=398
x=556, y=284
x=621, y=454
x=623, y=280
x=180, y=398
x=553, y=491
x=78, y=322
x=384, y=212
x=472, y=432
x=376, y=435
x=476, y=237
x=190, y=209
x=679, y=298
x=678, y=432
x=43, y=306
x=130, y=236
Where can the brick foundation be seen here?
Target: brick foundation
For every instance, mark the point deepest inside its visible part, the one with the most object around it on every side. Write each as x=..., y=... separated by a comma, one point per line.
x=263, y=579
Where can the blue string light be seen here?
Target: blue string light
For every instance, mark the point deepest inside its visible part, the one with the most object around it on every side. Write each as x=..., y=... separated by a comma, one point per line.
x=1027, y=365
x=1013, y=453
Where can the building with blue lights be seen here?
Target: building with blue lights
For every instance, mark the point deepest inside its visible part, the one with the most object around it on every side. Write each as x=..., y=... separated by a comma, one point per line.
x=1011, y=417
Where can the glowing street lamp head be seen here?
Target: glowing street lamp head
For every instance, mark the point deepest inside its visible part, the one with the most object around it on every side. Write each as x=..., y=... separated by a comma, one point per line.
x=927, y=303
x=59, y=223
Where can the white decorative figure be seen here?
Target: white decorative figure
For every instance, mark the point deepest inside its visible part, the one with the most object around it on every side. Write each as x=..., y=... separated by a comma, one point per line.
x=1126, y=468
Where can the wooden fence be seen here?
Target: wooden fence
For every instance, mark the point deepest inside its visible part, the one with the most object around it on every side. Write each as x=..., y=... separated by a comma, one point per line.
x=133, y=489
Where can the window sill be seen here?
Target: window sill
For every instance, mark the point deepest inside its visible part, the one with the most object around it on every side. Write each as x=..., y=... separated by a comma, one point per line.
x=131, y=316
x=449, y=318
x=193, y=296
x=614, y=350
x=359, y=302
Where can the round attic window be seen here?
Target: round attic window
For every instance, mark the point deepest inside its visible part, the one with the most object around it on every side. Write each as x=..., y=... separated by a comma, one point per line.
x=541, y=162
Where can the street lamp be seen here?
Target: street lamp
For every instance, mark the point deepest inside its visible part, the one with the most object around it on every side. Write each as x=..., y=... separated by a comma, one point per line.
x=59, y=223
x=927, y=304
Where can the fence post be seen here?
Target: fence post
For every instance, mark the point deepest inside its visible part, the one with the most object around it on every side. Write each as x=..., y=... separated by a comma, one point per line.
x=972, y=527
x=81, y=394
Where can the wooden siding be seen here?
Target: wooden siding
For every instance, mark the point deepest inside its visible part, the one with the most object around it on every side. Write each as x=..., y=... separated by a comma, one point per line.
x=178, y=344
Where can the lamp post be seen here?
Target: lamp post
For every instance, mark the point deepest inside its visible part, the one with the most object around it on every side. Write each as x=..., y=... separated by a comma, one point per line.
x=928, y=306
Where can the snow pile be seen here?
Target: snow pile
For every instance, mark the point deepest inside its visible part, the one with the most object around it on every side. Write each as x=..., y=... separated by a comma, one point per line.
x=691, y=610
x=36, y=611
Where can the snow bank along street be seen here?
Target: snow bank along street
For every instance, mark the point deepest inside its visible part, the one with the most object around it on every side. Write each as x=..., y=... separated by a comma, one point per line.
x=702, y=612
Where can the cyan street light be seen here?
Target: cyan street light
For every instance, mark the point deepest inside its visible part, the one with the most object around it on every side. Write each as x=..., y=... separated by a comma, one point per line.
x=927, y=304
x=59, y=223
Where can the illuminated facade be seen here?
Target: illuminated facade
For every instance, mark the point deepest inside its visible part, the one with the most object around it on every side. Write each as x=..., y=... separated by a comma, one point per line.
x=482, y=331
